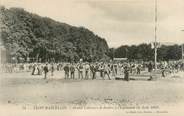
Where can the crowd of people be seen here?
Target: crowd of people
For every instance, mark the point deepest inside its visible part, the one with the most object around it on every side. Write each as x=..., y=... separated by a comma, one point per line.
x=86, y=70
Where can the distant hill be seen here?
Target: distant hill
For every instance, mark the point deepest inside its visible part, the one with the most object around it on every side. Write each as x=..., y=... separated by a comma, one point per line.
x=28, y=35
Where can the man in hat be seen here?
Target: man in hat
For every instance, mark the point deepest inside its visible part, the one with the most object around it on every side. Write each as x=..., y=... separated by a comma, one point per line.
x=126, y=73
x=150, y=69
x=80, y=70
x=46, y=70
x=72, y=71
x=92, y=68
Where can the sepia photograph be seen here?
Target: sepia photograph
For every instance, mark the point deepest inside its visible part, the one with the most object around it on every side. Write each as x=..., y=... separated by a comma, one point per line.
x=84, y=57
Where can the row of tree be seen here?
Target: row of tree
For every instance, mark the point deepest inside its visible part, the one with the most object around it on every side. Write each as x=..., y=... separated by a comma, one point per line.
x=146, y=53
x=28, y=35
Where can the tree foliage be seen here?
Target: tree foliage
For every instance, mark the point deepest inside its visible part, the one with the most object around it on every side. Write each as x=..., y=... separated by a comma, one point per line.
x=146, y=53
x=28, y=35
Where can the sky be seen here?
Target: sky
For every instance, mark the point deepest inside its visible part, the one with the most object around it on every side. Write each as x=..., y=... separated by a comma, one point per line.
x=120, y=22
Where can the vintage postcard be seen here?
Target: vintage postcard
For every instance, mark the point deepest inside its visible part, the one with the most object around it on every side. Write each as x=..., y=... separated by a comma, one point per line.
x=91, y=57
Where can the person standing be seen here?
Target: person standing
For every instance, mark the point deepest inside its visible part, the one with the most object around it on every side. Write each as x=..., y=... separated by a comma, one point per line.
x=126, y=73
x=72, y=71
x=101, y=69
x=66, y=69
x=138, y=69
x=39, y=69
x=116, y=69
x=46, y=70
x=92, y=68
x=163, y=69
x=107, y=71
x=80, y=71
x=96, y=69
x=150, y=69
x=87, y=71
x=34, y=68
x=52, y=69
x=122, y=70
x=113, y=70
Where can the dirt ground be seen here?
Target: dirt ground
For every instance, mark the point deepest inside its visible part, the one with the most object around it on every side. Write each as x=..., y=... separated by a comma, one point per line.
x=22, y=88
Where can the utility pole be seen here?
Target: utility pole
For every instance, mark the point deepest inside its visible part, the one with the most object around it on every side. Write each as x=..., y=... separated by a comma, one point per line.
x=182, y=50
x=182, y=53
x=112, y=54
x=155, y=45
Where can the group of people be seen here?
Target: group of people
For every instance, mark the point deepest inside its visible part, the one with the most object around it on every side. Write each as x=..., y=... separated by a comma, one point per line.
x=112, y=70
x=86, y=70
